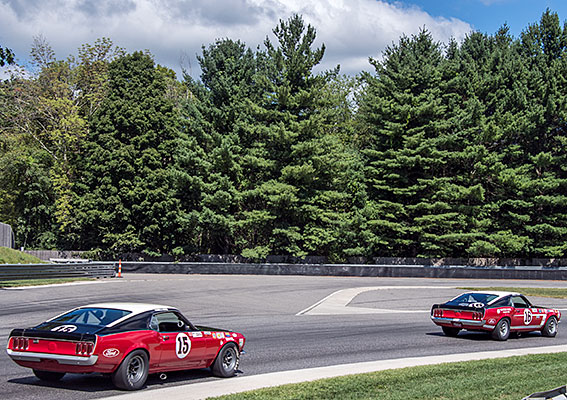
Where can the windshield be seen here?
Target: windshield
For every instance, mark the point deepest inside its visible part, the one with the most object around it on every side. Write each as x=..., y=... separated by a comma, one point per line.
x=92, y=316
x=470, y=299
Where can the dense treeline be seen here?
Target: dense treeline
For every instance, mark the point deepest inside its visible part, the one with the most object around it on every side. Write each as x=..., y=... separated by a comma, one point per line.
x=455, y=149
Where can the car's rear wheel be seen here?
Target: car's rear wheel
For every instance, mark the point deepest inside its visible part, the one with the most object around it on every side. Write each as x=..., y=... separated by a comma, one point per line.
x=447, y=330
x=48, y=376
x=550, y=327
x=502, y=330
x=227, y=361
x=132, y=372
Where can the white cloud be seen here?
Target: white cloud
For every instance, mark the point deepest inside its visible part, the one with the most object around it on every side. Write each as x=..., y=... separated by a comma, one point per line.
x=352, y=30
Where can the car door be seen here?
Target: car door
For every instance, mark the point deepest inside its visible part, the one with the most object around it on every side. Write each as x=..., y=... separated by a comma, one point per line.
x=524, y=316
x=180, y=346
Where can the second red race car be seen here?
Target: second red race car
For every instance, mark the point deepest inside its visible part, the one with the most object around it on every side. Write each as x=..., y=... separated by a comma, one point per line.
x=499, y=313
x=127, y=341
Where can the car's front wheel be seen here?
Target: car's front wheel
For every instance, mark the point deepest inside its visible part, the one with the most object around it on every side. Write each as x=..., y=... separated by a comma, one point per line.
x=502, y=330
x=132, y=372
x=450, y=331
x=550, y=327
x=48, y=376
x=227, y=361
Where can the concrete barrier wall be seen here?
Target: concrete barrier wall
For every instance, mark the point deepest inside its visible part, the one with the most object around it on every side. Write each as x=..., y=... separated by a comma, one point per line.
x=419, y=271
x=6, y=236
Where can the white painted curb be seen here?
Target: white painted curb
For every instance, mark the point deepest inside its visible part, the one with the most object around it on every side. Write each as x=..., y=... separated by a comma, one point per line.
x=221, y=387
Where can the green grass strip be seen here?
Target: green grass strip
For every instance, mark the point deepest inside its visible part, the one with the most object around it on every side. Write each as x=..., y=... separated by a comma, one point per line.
x=40, y=282
x=509, y=378
x=11, y=256
x=556, y=293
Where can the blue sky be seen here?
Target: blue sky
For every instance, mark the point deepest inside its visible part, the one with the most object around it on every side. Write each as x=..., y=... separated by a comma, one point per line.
x=175, y=30
x=489, y=15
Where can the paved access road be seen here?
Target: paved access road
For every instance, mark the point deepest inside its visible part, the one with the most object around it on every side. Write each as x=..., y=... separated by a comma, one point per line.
x=265, y=309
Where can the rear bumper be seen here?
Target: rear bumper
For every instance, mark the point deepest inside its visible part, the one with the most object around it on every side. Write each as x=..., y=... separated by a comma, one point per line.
x=27, y=356
x=461, y=323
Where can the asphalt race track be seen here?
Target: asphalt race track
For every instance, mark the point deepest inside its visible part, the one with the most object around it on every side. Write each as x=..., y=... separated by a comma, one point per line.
x=377, y=324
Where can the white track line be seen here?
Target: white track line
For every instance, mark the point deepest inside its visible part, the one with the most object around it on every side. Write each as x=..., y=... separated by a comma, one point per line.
x=337, y=302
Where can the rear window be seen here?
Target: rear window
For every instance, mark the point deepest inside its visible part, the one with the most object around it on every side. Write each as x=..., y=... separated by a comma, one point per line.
x=467, y=299
x=92, y=316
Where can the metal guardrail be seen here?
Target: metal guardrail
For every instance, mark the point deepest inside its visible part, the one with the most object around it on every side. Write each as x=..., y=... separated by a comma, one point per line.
x=47, y=271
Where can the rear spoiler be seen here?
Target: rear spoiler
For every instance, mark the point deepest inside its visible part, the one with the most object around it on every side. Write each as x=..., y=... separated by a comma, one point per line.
x=35, y=333
x=457, y=307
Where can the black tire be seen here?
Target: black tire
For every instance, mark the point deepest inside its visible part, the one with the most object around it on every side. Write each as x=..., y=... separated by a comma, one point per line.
x=453, y=332
x=502, y=330
x=550, y=327
x=48, y=376
x=132, y=372
x=226, y=363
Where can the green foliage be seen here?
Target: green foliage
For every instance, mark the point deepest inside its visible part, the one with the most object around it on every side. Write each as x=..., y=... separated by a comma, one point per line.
x=6, y=56
x=456, y=149
x=124, y=197
x=465, y=146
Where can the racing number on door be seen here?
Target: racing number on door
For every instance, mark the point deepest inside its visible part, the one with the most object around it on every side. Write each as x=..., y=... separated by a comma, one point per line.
x=527, y=316
x=182, y=345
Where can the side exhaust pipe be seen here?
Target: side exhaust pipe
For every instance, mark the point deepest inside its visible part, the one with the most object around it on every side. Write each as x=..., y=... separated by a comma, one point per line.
x=162, y=376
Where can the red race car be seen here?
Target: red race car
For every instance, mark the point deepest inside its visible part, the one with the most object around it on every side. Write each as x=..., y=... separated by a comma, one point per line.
x=127, y=340
x=496, y=312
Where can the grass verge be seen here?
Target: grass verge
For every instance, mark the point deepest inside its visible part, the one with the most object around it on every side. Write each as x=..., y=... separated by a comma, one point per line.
x=11, y=256
x=556, y=293
x=40, y=282
x=500, y=379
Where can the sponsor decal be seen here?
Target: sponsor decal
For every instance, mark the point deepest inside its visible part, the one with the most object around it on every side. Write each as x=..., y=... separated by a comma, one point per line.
x=478, y=305
x=234, y=335
x=527, y=316
x=491, y=321
x=206, y=333
x=197, y=334
x=110, y=353
x=214, y=335
x=240, y=342
x=64, y=328
x=182, y=345
x=221, y=342
x=220, y=335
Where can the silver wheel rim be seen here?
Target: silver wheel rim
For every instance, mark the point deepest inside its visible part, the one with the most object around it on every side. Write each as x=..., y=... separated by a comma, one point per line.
x=229, y=359
x=135, y=369
x=552, y=326
x=503, y=329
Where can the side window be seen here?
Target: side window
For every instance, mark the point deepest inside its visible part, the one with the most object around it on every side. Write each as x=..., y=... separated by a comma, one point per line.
x=168, y=322
x=520, y=302
x=154, y=325
x=503, y=302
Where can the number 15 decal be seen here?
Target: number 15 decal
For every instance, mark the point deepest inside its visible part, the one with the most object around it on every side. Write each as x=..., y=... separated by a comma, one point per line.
x=182, y=345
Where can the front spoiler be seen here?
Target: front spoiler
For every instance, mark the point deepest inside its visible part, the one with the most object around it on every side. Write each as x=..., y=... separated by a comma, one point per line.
x=60, y=358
